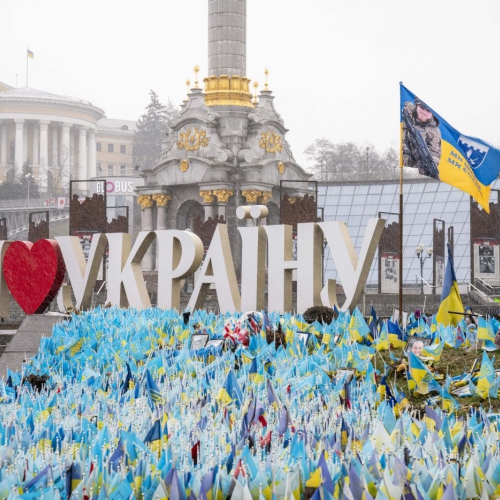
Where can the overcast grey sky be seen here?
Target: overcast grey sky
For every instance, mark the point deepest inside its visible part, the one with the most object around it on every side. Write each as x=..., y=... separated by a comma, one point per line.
x=335, y=66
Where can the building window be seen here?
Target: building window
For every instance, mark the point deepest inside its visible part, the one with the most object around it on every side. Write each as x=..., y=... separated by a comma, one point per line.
x=98, y=146
x=111, y=148
x=99, y=169
x=110, y=169
x=123, y=170
x=123, y=149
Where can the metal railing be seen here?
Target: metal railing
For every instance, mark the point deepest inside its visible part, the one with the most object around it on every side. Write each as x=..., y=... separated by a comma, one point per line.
x=424, y=282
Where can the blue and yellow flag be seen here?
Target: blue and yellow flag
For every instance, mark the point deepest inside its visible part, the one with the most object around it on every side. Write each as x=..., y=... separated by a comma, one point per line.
x=450, y=297
x=431, y=144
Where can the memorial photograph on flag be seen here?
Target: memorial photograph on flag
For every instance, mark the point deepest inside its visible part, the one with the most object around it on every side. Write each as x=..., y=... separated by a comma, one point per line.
x=430, y=144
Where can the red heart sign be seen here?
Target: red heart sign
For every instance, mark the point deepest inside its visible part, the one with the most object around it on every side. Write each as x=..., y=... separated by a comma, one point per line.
x=33, y=273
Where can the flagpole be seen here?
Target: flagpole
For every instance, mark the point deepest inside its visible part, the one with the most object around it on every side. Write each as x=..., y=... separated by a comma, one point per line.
x=27, y=65
x=401, y=163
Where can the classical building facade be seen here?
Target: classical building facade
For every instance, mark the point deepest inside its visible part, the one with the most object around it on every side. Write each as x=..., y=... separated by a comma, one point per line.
x=63, y=138
x=227, y=148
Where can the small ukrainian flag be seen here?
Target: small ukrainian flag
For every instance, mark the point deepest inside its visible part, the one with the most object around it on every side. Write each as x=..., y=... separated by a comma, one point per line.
x=30, y=54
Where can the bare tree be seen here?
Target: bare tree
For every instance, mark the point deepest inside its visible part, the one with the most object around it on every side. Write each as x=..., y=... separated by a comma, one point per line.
x=330, y=158
x=56, y=177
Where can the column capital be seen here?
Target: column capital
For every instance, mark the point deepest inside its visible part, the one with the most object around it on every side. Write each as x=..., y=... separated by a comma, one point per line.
x=19, y=122
x=44, y=124
x=145, y=201
x=161, y=199
x=83, y=129
x=92, y=133
x=251, y=195
x=66, y=126
x=223, y=195
x=266, y=196
x=207, y=196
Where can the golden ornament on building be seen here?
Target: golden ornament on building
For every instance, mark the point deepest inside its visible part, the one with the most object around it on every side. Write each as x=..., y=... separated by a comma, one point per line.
x=228, y=91
x=251, y=195
x=271, y=142
x=207, y=196
x=161, y=199
x=223, y=195
x=281, y=168
x=145, y=201
x=192, y=141
x=184, y=165
x=266, y=196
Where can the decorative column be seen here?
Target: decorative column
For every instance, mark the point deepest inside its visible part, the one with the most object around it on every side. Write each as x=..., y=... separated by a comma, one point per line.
x=146, y=203
x=35, y=143
x=161, y=201
x=251, y=196
x=64, y=156
x=44, y=153
x=3, y=145
x=266, y=196
x=208, y=199
x=55, y=158
x=19, y=144
x=91, y=157
x=72, y=161
x=25, y=143
x=223, y=196
x=82, y=154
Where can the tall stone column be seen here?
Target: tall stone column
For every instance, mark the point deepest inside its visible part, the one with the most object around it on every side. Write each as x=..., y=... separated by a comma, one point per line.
x=146, y=203
x=82, y=154
x=3, y=145
x=223, y=196
x=25, y=142
x=208, y=199
x=18, y=157
x=64, y=156
x=55, y=146
x=91, y=157
x=161, y=201
x=227, y=37
x=44, y=153
x=36, y=136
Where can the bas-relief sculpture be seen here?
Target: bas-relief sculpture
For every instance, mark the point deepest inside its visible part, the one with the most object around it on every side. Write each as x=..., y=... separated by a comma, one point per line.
x=181, y=253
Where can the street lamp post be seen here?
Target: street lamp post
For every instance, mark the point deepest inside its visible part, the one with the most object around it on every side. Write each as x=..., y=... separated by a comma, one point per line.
x=29, y=177
x=419, y=251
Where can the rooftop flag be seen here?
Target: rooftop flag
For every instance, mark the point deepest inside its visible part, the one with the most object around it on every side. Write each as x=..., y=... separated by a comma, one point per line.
x=30, y=54
x=438, y=150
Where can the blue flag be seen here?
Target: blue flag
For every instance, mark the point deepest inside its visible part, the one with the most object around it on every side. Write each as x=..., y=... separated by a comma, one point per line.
x=431, y=144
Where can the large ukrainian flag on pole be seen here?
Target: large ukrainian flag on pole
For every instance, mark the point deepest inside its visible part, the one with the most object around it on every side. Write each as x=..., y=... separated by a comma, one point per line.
x=450, y=297
x=431, y=144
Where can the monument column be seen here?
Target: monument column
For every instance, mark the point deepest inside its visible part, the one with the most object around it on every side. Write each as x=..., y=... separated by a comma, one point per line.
x=146, y=203
x=208, y=200
x=161, y=201
x=82, y=154
x=3, y=145
x=36, y=136
x=18, y=157
x=91, y=157
x=227, y=37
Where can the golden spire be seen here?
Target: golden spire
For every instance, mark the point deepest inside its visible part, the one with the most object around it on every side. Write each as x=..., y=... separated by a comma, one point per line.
x=196, y=70
x=188, y=83
x=255, y=86
x=266, y=85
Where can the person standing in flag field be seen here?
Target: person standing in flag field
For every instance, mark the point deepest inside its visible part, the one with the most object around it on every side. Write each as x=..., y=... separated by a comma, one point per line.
x=422, y=138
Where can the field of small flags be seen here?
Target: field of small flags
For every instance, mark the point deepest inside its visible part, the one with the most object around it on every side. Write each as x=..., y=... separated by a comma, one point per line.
x=116, y=405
